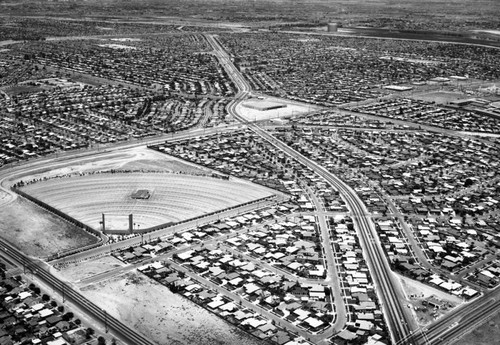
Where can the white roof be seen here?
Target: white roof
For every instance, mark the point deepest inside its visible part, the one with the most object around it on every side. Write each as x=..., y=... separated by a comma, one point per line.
x=45, y=312
x=294, y=266
x=313, y=322
x=185, y=255
x=59, y=341
x=302, y=314
x=487, y=273
x=251, y=288
x=253, y=322
x=228, y=306
x=24, y=295
x=37, y=307
x=215, y=304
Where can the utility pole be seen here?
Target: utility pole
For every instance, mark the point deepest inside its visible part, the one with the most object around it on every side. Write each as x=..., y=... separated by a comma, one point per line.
x=63, y=292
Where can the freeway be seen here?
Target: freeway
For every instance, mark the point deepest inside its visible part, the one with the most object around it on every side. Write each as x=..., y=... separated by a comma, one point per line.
x=404, y=330
x=400, y=323
x=13, y=171
x=122, y=331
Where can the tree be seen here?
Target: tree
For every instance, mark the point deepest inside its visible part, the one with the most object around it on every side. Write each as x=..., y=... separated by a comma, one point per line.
x=45, y=297
x=89, y=332
x=68, y=316
x=101, y=341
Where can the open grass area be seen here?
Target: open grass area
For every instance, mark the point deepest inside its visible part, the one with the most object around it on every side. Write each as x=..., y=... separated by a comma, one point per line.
x=173, y=197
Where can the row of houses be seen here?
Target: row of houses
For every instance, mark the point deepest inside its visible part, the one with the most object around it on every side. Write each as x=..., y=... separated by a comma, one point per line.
x=41, y=123
x=487, y=276
x=292, y=245
x=428, y=113
x=450, y=246
x=28, y=316
x=232, y=310
x=334, y=118
x=174, y=62
x=243, y=154
x=300, y=68
x=365, y=318
x=333, y=157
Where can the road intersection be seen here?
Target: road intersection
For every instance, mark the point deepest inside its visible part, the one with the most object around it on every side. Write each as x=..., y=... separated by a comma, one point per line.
x=404, y=329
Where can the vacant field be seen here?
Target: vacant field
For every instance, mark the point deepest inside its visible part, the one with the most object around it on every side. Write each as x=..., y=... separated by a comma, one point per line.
x=488, y=334
x=23, y=88
x=129, y=159
x=82, y=270
x=37, y=232
x=163, y=316
x=440, y=97
x=174, y=197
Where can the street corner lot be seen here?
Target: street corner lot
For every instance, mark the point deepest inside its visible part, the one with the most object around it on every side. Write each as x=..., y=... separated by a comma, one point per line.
x=173, y=197
x=259, y=109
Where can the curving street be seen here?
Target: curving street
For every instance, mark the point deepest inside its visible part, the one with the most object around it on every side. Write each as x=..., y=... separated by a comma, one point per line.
x=403, y=327
x=399, y=321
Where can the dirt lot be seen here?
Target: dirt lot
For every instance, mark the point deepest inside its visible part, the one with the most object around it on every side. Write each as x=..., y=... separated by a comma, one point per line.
x=41, y=234
x=165, y=317
x=37, y=232
x=488, y=334
x=440, y=97
x=133, y=159
x=417, y=292
x=83, y=270
x=23, y=88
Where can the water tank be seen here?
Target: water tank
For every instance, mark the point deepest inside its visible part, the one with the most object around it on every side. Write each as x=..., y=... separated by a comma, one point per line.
x=332, y=27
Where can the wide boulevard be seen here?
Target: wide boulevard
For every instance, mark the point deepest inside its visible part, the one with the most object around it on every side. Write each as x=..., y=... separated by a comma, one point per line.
x=403, y=328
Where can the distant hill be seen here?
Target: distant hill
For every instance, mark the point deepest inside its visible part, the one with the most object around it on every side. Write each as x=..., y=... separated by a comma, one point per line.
x=454, y=15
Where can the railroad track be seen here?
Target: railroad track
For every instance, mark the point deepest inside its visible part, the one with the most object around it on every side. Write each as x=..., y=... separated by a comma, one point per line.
x=122, y=331
x=461, y=320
